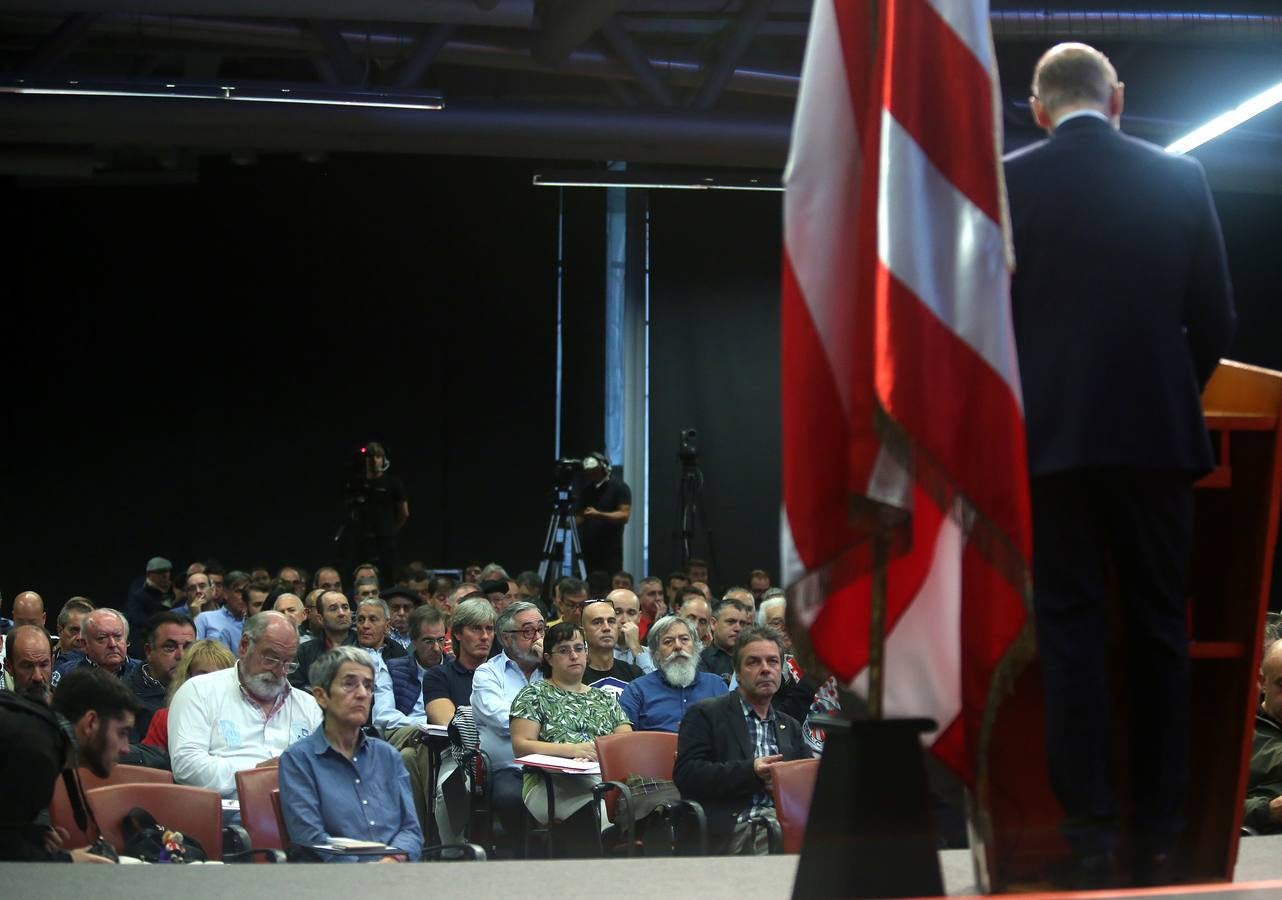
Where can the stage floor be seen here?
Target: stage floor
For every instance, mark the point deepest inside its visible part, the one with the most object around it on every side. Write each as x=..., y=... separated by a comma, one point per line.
x=1259, y=863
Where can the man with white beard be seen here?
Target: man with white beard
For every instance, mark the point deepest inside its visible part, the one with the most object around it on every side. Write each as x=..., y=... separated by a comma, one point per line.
x=241, y=717
x=658, y=701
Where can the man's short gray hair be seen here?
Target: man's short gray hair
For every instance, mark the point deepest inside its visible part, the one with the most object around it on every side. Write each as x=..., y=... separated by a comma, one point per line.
x=493, y=572
x=508, y=616
x=256, y=626
x=1072, y=74
x=322, y=672
x=763, y=617
x=375, y=601
x=365, y=581
x=75, y=604
x=660, y=629
x=476, y=611
x=88, y=624
x=423, y=616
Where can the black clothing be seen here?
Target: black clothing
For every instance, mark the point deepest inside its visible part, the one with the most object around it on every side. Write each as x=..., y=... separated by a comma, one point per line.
x=715, y=756
x=308, y=653
x=32, y=752
x=376, y=522
x=392, y=650
x=450, y=680
x=143, y=602
x=622, y=670
x=602, y=539
x=151, y=697
x=1264, y=782
x=1121, y=309
x=717, y=661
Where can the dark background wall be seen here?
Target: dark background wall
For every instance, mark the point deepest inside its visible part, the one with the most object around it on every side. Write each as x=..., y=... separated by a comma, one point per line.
x=188, y=369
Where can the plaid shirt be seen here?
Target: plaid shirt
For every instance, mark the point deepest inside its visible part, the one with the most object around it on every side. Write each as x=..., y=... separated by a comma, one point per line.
x=765, y=742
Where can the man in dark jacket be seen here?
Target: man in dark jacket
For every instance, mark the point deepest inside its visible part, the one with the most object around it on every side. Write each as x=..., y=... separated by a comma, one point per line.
x=1121, y=310
x=728, y=745
x=97, y=710
x=1264, y=782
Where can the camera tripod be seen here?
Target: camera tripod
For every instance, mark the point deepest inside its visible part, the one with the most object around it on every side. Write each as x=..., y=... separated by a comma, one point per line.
x=690, y=500
x=562, y=552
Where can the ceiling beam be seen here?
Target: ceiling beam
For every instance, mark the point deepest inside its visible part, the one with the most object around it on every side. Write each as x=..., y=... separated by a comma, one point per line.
x=65, y=40
x=733, y=46
x=636, y=61
x=566, y=24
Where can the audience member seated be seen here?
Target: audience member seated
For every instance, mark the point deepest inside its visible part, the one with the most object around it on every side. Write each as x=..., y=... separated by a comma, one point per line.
x=338, y=783
x=226, y=623
x=495, y=684
x=256, y=597
x=562, y=716
x=568, y=597
x=694, y=607
x=372, y=616
x=28, y=662
x=243, y=716
x=401, y=603
x=336, y=631
x=98, y=710
x=168, y=637
x=290, y=605
x=729, y=617
x=603, y=669
x=365, y=588
x=71, y=642
x=797, y=692
x=529, y=586
x=630, y=646
x=447, y=687
x=197, y=594
x=758, y=582
x=727, y=746
x=674, y=588
x=658, y=701
x=150, y=595
x=744, y=596
x=1263, y=811
x=200, y=658
x=827, y=702
x=28, y=609
x=106, y=635
x=654, y=606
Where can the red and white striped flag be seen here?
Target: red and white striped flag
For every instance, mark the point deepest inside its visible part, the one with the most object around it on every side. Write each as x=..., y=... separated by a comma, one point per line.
x=902, y=412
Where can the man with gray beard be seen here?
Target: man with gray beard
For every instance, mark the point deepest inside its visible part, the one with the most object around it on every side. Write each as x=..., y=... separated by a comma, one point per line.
x=241, y=717
x=658, y=701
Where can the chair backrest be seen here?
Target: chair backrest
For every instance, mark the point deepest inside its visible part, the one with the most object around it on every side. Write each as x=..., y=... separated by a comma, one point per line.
x=792, y=785
x=280, y=817
x=254, y=787
x=651, y=754
x=196, y=812
x=60, y=813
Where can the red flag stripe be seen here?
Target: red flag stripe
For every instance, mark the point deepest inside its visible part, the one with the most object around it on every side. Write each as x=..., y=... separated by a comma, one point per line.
x=942, y=95
x=941, y=392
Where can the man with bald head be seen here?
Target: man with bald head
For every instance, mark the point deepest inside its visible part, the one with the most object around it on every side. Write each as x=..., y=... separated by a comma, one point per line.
x=106, y=637
x=28, y=662
x=694, y=606
x=1122, y=309
x=1263, y=810
x=29, y=609
x=241, y=717
x=627, y=609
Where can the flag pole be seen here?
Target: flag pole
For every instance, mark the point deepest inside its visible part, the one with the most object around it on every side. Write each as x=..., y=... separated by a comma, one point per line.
x=877, y=627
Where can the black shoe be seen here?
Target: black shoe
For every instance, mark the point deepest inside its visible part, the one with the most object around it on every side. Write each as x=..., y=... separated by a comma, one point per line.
x=1087, y=873
x=1155, y=870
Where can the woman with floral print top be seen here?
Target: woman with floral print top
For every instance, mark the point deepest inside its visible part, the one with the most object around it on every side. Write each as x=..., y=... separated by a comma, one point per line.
x=561, y=716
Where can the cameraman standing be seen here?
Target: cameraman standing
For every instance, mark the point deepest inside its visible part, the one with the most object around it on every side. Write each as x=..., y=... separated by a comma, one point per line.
x=604, y=506
x=380, y=507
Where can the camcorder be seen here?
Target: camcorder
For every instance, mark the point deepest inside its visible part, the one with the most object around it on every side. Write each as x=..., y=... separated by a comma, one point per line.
x=567, y=470
x=688, y=447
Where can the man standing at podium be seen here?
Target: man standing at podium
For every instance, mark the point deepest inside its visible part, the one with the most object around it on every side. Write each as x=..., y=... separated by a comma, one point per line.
x=1122, y=309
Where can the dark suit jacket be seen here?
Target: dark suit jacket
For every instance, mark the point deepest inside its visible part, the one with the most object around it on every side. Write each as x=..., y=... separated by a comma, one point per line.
x=1121, y=300
x=714, y=760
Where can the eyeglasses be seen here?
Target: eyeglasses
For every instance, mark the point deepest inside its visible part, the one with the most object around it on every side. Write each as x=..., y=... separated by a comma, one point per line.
x=433, y=641
x=570, y=649
x=351, y=682
x=272, y=662
x=529, y=632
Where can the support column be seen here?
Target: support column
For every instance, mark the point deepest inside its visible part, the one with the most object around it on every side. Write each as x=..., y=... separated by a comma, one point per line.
x=627, y=383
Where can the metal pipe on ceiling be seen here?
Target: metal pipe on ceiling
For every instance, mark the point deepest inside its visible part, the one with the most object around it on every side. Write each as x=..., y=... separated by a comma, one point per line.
x=646, y=136
x=500, y=13
x=1216, y=26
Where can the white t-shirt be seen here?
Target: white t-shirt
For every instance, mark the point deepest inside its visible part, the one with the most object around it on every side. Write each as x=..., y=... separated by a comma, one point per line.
x=215, y=730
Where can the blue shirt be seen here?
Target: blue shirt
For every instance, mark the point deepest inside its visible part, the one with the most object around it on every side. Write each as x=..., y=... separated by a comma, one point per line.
x=324, y=794
x=220, y=625
x=79, y=660
x=654, y=705
x=494, y=684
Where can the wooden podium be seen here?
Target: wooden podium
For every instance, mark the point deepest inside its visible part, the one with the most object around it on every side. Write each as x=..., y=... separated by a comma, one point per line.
x=1235, y=530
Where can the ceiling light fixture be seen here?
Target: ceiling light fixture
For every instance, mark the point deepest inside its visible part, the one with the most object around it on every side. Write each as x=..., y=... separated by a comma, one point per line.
x=249, y=93
x=1231, y=119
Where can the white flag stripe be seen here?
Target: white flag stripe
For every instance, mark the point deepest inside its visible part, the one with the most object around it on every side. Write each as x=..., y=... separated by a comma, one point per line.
x=946, y=250
x=790, y=564
x=821, y=208
x=969, y=21
x=923, y=650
